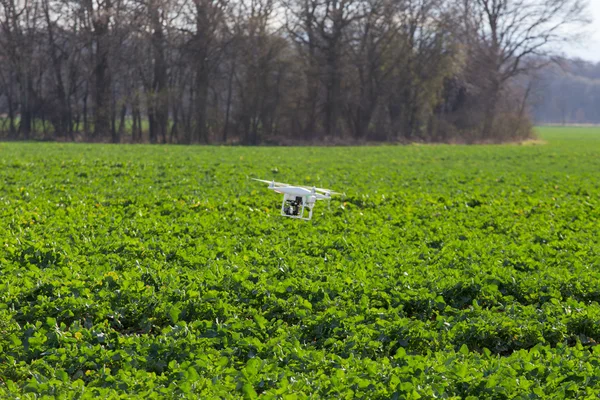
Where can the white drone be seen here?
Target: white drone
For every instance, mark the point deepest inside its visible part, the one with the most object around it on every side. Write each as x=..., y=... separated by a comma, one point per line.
x=297, y=199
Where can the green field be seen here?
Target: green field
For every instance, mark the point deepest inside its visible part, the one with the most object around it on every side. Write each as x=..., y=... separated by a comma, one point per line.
x=165, y=272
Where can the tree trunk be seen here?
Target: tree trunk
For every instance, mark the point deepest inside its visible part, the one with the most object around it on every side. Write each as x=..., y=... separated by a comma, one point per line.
x=229, y=95
x=330, y=109
x=201, y=106
x=312, y=98
x=151, y=119
x=122, y=120
x=86, y=126
x=159, y=85
x=62, y=121
x=174, y=129
x=12, y=131
x=490, y=113
x=115, y=137
x=75, y=126
x=102, y=95
x=25, y=125
x=134, y=125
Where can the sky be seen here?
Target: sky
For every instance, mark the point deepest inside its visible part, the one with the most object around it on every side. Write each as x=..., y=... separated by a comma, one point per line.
x=588, y=48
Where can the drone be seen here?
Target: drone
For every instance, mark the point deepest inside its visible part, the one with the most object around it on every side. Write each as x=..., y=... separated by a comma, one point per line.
x=298, y=201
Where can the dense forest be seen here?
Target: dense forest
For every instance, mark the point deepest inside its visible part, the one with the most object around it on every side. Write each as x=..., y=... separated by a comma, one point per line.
x=277, y=71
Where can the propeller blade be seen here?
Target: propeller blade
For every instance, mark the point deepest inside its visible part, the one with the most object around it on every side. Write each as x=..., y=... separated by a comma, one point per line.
x=319, y=189
x=269, y=182
x=330, y=192
x=261, y=180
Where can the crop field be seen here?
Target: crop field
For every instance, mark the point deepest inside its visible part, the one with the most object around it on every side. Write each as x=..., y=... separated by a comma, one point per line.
x=166, y=272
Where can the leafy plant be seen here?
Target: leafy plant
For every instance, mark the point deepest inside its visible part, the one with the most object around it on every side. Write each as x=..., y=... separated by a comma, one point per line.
x=444, y=271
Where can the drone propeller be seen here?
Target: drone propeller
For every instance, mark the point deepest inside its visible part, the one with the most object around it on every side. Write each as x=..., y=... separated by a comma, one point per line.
x=326, y=191
x=271, y=182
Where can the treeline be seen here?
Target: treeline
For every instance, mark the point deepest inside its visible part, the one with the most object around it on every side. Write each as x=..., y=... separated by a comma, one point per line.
x=273, y=71
x=568, y=93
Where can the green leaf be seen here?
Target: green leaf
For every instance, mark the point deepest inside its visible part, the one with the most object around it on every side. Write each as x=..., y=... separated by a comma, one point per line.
x=249, y=392
x=260, y=321
x=174, y=313
x=400, y=353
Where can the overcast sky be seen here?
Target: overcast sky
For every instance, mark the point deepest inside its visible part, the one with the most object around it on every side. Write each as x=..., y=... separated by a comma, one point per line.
x=589, y=47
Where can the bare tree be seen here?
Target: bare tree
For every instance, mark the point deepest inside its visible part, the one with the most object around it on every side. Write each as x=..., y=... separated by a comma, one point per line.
x=319, y=28
x=369, y=38
x=205, y=21
x=258, y=72
x=196, y=71
x=154, y=22
x=502, y=34
x=19, y=25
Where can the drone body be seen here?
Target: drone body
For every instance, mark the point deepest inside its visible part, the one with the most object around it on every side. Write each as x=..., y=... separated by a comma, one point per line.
x=298, y=201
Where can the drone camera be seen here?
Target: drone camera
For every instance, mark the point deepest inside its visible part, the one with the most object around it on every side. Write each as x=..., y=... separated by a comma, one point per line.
x=292, y=207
